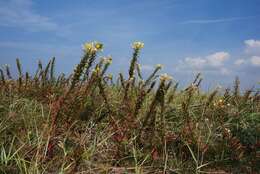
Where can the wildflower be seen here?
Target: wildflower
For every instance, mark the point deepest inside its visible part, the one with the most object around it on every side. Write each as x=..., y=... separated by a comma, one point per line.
x=165, y=77
x=98, y=46
x=92, y=47
x=138, y=45
x=107, y=60
x=159, y=66
x=88, y=47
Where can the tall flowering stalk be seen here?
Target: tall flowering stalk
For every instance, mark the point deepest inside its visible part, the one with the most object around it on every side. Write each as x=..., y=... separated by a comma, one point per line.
x=153, y=75
x=137, y=46
x=141, y=96
x=96, y=46
x=90, y=51
x=38, y=72
x=143, y=92
x=107, y=61
x=150, y=118
x=173, y=92
x=19, y=68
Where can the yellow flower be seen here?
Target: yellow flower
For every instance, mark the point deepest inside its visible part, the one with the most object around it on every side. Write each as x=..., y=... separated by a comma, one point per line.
x=92, y=47
x=159, y=66
x=109, y=60
x=165, y=77
x=98, y=45
x=88, y=46
x=137, y=45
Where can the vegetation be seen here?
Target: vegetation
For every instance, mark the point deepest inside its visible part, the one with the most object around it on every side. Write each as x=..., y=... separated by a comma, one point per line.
x=89, y=122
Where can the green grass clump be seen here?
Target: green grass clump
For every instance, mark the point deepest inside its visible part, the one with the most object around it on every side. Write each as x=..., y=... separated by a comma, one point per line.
x=91, y=122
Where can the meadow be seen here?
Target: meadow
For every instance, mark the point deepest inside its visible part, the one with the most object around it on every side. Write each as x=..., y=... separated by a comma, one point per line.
x=94, y=122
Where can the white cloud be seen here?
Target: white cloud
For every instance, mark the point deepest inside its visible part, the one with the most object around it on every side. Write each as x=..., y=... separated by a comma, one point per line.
x=252, y=43
x=239, y=62
x=213, y=60
x=255, y=60
x=213, y=63
x=252, y=46
x=197, y=62
x=19, y=13
x=217, y=59
x=253, y=51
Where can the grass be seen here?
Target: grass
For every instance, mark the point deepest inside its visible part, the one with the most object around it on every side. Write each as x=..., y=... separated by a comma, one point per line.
x=90, y=122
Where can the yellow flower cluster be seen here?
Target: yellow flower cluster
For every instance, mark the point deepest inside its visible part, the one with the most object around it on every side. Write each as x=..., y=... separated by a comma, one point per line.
x=92, y=47
x=137, y=45
x=165, y=77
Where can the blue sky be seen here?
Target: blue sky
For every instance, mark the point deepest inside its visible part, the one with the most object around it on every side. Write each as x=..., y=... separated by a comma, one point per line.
x=219, y=38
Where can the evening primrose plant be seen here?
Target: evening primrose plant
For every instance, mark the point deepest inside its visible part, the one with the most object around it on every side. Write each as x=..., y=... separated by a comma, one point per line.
x=92, y=121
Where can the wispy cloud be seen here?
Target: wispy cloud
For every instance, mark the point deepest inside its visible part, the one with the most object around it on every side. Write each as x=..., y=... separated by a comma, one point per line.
x=19, y=13
x=221, y=20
